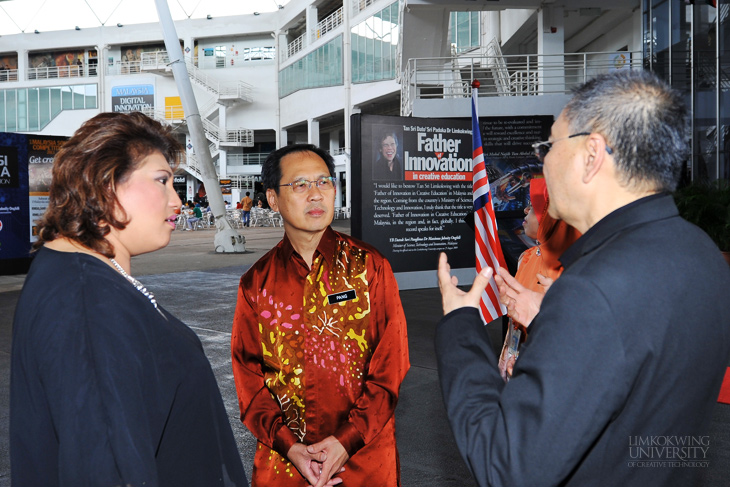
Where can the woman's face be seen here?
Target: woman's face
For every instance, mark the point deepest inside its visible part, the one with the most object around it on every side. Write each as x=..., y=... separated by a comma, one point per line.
x=388, y=148
x=530, y=224
x=149, y=201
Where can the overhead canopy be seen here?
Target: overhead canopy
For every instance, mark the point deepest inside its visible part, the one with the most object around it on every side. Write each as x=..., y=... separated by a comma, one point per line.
x=17, y=16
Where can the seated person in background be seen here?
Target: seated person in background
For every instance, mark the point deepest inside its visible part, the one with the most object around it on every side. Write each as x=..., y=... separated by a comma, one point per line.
x=197, y=215
x=538, y=267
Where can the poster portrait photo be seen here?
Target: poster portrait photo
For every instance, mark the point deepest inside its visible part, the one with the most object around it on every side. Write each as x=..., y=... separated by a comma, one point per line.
x=388, y=154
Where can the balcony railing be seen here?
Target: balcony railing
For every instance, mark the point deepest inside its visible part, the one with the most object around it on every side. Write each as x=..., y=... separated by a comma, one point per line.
x=8, y=75
x=295, y=46
x=251, y=159
x=517, y=75
x=51, y=72
x=329, y=23
x=360, y=5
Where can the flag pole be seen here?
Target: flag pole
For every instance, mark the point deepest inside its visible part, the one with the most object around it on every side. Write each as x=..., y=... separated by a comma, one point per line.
x=488, y=250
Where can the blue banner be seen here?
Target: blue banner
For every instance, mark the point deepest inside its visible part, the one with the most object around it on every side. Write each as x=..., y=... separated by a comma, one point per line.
x=14, y=204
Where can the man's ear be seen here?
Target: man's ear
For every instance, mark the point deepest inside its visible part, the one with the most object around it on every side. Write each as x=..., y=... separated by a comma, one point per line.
x=596, y=157
x=271, y=197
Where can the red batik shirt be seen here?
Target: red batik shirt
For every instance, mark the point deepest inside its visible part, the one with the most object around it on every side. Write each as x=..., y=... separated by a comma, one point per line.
x=319, y=352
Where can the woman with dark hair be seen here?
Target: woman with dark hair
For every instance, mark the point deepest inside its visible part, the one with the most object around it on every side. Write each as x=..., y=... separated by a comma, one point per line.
x=108, y=388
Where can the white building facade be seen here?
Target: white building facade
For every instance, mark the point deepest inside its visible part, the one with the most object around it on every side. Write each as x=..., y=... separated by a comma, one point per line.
x=297, y=74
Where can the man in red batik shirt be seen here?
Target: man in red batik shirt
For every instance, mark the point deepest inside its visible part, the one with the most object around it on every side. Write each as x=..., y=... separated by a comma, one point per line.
x=319, y=344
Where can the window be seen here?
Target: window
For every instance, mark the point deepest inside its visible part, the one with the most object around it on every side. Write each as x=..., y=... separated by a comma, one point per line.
x=374, y=42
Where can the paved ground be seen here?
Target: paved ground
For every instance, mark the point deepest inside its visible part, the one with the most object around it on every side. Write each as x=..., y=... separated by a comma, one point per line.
x=199, y=286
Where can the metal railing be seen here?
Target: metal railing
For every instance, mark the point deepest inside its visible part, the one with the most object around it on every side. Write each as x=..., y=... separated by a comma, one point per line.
x=50, y=72
x=295, y=46
x=168, y=114
x=174, y=114
x=8, y=75
x=190, y=164
x=242, y=137
x=360, y=5
x=159, y=60
x=515, y=75
x=329, y=23
x=250, y=159
x=154, y=60
x=229, y=89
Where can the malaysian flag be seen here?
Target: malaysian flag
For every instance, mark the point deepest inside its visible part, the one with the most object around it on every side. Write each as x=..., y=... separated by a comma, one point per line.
x=488, y=248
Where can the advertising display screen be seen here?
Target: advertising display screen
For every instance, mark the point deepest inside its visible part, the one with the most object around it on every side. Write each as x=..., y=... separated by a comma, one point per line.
x=25, y=177
x=412, y=183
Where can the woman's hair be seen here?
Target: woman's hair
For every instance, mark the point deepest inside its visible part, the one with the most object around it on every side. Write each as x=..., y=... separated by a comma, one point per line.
x=102, y=154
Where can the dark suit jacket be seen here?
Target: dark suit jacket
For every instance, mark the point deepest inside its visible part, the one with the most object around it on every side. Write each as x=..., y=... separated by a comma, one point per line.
x=622, y=367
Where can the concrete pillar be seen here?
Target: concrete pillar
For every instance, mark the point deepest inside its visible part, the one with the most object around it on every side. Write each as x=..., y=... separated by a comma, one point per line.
x=551, y=40
x=281, y=45
x=311, y=20
x=281, y=138
x=313, y=131
x=222, y=163
x=222, y=119
x=492, y=27
x=23, y=64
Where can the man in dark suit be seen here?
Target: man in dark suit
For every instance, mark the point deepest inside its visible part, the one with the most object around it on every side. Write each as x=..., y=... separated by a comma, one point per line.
x=618, y=378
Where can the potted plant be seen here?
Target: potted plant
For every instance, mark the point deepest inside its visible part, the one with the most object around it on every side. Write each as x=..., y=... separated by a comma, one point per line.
x=707, y=205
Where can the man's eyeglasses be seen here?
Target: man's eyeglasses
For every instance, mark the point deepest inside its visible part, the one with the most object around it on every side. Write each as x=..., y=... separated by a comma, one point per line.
x=542, y=148
x=325, y=183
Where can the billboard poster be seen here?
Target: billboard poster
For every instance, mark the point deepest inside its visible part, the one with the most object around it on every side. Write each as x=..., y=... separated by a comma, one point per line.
x=41, y=151
x=25, y=176
x=14, y=243
x=511, y=161
x=414, y=190
x=414, y=196
x=133, y=98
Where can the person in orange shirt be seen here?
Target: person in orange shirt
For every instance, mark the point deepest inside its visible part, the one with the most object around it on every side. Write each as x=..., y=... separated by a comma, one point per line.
x=246, y=204
x=538, y=267
x=319, y=342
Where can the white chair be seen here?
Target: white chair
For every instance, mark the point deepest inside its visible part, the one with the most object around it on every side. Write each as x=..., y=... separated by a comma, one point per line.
x=257, y=217
x=276, y=219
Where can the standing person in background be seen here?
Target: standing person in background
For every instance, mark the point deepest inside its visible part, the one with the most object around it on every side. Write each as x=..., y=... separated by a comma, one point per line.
x=319, y=343
x=538, y=267
x=246, y=204
x=107, y=388
x=630, y=344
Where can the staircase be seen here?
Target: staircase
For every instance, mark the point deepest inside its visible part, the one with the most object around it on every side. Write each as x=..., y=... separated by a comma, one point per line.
x=223, y=93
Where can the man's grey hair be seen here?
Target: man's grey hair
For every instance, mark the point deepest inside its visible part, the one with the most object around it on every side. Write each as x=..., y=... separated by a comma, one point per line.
x=644, y=122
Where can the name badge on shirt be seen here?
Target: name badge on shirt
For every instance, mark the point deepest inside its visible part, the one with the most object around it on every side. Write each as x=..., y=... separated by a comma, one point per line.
x=341, y=297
